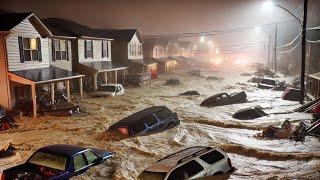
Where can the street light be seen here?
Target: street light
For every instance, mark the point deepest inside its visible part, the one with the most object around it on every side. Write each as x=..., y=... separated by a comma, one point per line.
x=303, y=25
x=202, y=38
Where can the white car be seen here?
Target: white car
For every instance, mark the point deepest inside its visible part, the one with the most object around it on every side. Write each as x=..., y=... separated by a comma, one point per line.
x=112, y=89
x=191, y=163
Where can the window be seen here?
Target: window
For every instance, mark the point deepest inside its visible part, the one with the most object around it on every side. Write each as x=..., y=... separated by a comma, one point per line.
x=88, y=48
x=212, y=157
x=49, y=160
x=79, y=162
x=30, y=49
x=164, y=114
x=105, y=49
x=186, y=171
x=59, y=50
x=150, y=120
x=91, y=157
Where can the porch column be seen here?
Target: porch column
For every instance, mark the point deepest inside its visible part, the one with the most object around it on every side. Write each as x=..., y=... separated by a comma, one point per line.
x=34, y=100
x=124, y=76
x=115, y=77
x=106, y=77
x=81, y=87
x=68, y=90
x=95, y=81
x=52, y=93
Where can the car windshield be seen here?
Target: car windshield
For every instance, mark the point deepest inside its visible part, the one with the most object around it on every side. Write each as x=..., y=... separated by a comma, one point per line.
x=268, y=81
x=146, y=175
x=110, y=88
x=49, y=160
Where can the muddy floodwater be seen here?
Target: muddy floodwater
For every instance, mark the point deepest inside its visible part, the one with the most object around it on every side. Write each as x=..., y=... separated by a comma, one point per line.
x=253, y=157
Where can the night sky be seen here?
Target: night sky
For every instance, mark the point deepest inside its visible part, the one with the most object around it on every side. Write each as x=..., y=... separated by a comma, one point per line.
x=152, y=16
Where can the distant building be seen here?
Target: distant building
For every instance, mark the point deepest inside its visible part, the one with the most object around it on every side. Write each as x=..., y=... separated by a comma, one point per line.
x=25, y=64
x=91, y=52
x=127, y=50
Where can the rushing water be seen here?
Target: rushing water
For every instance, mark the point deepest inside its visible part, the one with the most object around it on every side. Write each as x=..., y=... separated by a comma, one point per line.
x=252, y=156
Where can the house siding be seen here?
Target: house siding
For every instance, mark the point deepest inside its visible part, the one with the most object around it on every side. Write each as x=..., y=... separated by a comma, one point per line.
x=25, y=29
x=97, y=51
x=67, y=65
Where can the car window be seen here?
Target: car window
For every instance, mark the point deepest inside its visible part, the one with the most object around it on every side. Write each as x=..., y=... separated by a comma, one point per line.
x=110, y=88
x=212, y=157
x=151, y=120
x=186, y=171
x=224, y=96
x=91, y=157
x=163, y=114
x=49, y=160
x=79, y=162
x=138, y=128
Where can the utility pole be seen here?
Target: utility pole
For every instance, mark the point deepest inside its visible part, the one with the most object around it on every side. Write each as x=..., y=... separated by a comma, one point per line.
x=303, y=62
x=275, y=48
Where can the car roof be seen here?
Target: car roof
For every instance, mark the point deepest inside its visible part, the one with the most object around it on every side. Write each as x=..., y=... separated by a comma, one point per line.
x=63, y=149
x=112, y=84
x=138, y=116
x=169, y=162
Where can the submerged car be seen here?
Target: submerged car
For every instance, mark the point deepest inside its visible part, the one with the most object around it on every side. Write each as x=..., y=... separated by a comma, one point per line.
x=112, y=89
x=155, y=118
x=249, y=113
x=225, y=99
x=59, y=161
x=291, y=94
x=267, y=84
x=190, y=163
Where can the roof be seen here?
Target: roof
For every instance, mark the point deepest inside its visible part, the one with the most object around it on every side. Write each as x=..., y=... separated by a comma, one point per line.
x=138, y=116
x=101, y=66
x=315, y=76
x=10, y=20
x=64, y=149
x=170, y=161
x=143, y=62
x=68, y=28
x=121, y=34
x=41, y=75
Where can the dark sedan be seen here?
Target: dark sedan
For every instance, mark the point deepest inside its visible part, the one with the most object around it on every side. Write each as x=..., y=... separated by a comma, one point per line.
x=152, y=119
x=225, y=99
x=58, y=161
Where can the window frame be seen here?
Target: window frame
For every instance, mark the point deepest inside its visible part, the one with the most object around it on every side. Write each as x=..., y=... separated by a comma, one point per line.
x=86, y=50
x=30, y=50
x=105, y=48
x=59, y=50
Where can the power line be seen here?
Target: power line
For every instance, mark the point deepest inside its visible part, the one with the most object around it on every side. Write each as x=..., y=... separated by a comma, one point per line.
x=282, y=52
x=289, y=44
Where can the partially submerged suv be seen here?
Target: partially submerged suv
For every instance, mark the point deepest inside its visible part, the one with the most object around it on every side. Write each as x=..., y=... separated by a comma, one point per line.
x=112, y=89
x=190, y=163
x=151, y=119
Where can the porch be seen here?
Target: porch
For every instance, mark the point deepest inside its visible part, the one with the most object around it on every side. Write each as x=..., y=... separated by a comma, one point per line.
x=38, y=79
x=103, y=72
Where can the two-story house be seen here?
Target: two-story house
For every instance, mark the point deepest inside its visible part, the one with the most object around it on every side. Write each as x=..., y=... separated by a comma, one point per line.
x=90, y=52
x=25, y=64
x=128, y=50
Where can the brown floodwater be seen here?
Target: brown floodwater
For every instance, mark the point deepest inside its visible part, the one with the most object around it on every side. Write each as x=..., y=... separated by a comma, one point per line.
x=253, y=157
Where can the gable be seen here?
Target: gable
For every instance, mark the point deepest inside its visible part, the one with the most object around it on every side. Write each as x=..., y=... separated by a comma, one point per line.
x=135, y=39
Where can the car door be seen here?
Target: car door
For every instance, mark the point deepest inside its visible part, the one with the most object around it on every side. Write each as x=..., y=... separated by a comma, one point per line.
x=152, y=122
x=80, y=164
x=189, y=170
x=216, y=162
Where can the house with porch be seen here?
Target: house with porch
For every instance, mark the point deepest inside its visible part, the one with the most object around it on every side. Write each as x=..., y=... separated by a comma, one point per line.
x=127, y=49
x=90, y=52
x=25, y=66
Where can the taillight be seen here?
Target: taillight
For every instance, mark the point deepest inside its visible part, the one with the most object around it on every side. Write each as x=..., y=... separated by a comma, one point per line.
x=123, y=131
x=2, y=176
x=229, y=163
